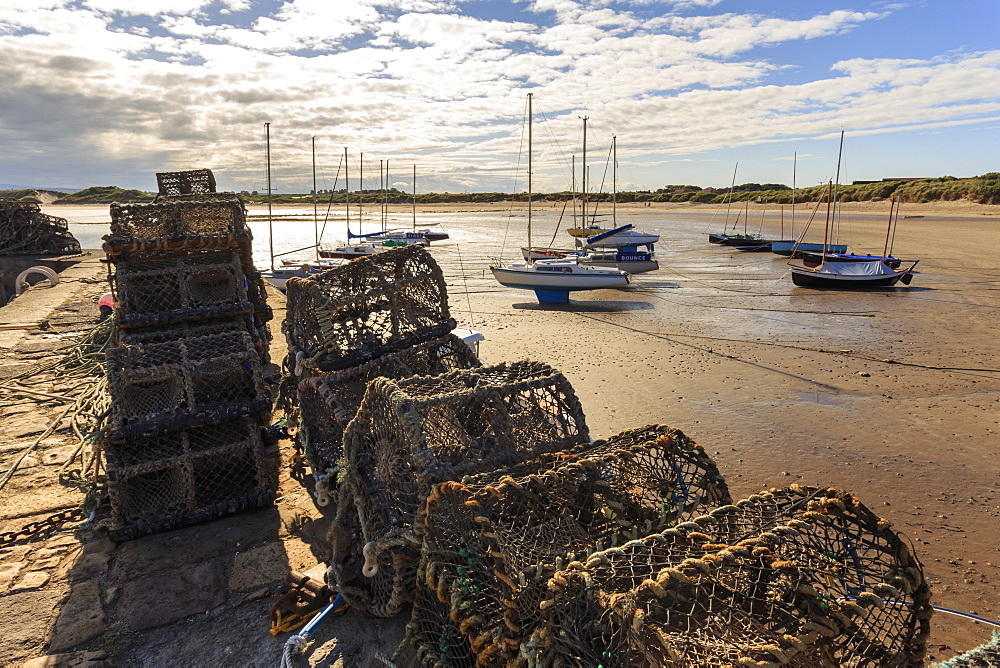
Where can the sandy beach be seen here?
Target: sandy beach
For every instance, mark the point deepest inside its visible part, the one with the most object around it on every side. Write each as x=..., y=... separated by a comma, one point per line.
x=892, y=395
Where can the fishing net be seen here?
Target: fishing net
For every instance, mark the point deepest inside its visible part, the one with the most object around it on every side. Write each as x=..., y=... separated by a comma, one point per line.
x=794, y=576
x=191, y=380
x=181, y=224
x=180, y=289
x=492, y=541
x=25, y=230
x=169, y=480
x=413, y=433
x=365, y=308
x=195, y=181
x=327, y=403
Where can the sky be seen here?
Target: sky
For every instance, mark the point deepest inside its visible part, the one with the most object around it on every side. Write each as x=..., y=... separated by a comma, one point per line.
x=109, y=92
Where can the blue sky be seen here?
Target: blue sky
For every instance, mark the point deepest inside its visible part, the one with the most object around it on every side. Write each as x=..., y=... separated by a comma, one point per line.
x=108, y=92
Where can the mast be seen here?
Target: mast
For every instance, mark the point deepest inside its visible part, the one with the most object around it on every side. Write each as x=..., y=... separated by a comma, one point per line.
x=414, y=198
x=347, y=198
x=381, y=187
x=267, y=155
x=573, y=188
x=836, y=189
x=361, y=189
x=583, y=170
x=385, y=196
x=888, y=229
x=795, y=160
x=614, y=181
x=826, y=228
x=729, y=201
x=529, y=169
x=315, y=210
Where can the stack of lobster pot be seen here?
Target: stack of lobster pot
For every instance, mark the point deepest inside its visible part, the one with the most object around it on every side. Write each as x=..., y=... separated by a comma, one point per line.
x=183, y=442
x=381, y=316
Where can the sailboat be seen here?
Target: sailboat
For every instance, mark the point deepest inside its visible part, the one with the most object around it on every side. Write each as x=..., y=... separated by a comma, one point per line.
x=553, y=280
x=616, y=248
x=404, y=237
x=593, y=235
x=849, y=272
x=351, y=251
x=797, y=247
x=725, y=238
x=278, y=276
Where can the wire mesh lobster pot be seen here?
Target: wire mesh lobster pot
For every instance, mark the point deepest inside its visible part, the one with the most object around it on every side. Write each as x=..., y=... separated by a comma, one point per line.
x=173, y=479
x=810, y=577
x=24, y=229
x=165, y=386
x=181, y=225
x=194, y=181
x=180, y=289
x=411, y=434
x=328, y=403
x=365, y=308
x=491, y=542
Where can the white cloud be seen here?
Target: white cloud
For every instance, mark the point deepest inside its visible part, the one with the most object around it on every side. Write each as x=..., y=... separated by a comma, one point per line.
x=429, y=82
x=134, y=8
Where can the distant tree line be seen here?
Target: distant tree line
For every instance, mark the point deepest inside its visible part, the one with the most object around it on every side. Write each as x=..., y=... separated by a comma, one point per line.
x=982, y=189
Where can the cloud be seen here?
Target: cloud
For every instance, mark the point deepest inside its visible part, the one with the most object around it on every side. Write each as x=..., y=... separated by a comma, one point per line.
x=433, y=83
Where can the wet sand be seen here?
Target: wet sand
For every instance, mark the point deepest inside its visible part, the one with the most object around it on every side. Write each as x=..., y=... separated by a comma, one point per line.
x=893, y=395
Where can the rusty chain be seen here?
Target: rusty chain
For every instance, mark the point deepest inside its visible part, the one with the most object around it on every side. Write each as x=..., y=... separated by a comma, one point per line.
x=32, y=528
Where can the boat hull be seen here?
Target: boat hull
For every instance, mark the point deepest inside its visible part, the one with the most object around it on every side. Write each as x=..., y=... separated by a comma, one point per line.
x=737, y=239
x=584, y=232
x=834, y=256
x=786, y=248
x=629, y=267
x=533, y=280
x=349, y=252
x=814, y=279
x=631, y=262
x=538, y=253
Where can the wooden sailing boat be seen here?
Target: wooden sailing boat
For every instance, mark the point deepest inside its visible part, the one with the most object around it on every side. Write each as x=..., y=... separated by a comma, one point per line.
x=553, y=280
x=849, y=272
x=797, y=247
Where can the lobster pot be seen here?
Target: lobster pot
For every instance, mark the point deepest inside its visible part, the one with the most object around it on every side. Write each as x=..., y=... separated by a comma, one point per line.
x=160, y=386
x=24, y=229
x=181, y=225
x=661, y=601
x=411, y=434
x=194, y=181
x=188, y=330
x=432, y=638
x=328, y=402
x=181, y=289
x=257, y=294
x=817, y=579
x=491, y=542
x=169, y=480
x=364, y=309
x=851, y=555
